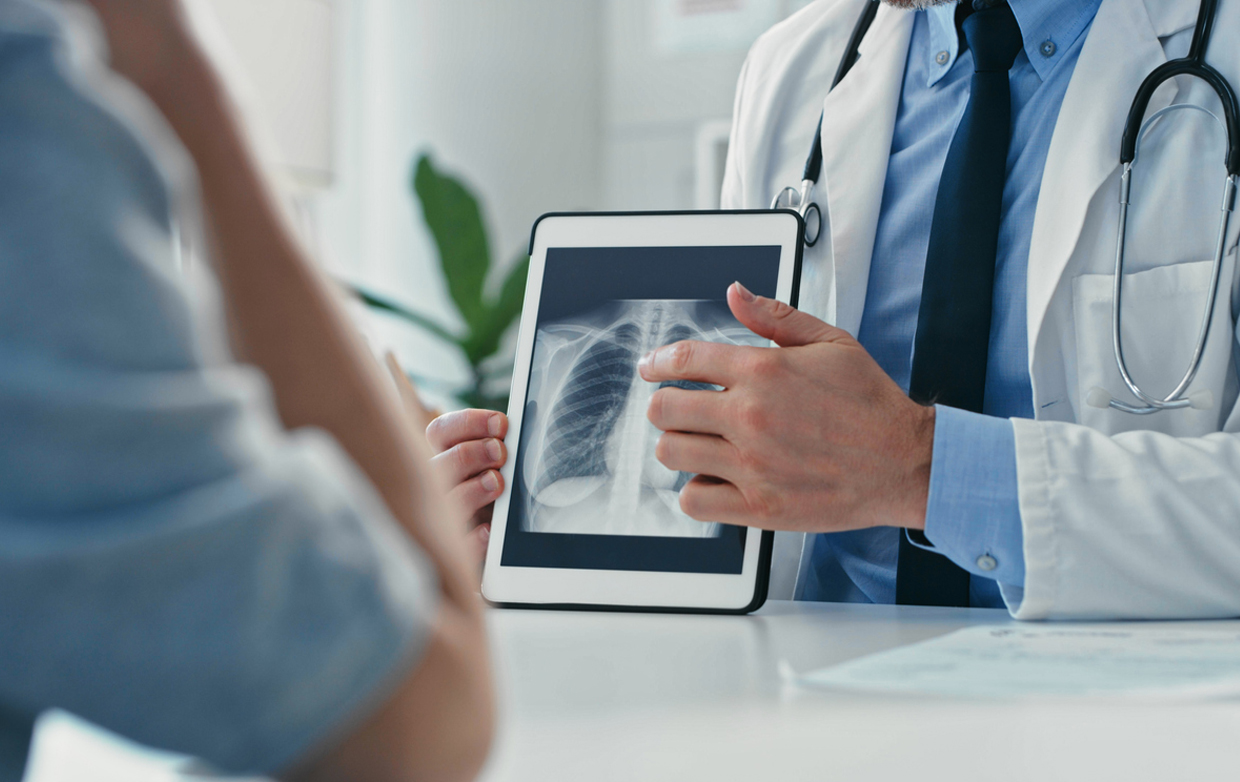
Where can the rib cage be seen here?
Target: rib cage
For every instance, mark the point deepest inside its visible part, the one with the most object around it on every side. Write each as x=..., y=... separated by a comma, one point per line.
x=588, y=408
x=590, y=463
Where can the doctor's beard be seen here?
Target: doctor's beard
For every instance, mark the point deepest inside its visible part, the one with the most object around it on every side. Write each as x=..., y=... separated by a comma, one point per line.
x=918, y=5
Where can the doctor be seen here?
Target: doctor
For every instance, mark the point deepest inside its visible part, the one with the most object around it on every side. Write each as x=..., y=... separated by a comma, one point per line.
x=970, y=193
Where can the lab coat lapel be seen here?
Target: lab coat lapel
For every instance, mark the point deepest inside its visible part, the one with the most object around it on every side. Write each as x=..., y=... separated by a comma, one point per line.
x=1121, y=50
x=858, y=122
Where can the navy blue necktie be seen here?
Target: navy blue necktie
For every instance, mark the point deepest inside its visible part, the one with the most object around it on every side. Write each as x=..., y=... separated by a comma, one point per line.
x=953, y=324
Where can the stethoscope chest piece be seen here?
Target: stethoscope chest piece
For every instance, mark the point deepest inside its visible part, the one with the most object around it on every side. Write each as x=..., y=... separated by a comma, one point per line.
x=801, y=201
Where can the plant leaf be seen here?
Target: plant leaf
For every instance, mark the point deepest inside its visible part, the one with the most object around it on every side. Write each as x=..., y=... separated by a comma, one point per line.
x=386, y=305
x=484, y=341
x=455, y=221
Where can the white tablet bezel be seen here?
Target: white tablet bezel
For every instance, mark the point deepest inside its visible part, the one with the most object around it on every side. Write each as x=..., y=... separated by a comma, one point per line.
x=618, y=588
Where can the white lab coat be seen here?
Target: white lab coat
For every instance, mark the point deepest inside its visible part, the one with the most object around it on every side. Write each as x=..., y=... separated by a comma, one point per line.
x=1123, y=516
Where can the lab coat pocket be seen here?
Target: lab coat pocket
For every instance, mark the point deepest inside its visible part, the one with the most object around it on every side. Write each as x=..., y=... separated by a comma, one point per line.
x=1162, y=312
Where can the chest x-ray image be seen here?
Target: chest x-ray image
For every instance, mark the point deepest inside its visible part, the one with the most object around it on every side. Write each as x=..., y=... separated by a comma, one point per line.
x=589, y=461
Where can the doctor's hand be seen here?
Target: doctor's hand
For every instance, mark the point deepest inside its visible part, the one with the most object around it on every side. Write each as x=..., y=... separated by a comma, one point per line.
x=811, y=436
x=469, y=452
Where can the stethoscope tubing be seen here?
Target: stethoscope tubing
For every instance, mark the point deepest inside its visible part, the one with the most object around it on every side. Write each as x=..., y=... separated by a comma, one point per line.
x=1137, y=126
x=1195, y=65
x=1192, y=65
x=802, y=199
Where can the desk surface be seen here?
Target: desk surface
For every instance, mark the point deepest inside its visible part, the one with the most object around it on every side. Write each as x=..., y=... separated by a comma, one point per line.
x=597, y=697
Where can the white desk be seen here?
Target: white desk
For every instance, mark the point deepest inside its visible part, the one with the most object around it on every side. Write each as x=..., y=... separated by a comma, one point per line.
x=594, y=697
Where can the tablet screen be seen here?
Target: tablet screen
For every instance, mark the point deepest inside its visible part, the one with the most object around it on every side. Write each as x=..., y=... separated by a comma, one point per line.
x=587, y=490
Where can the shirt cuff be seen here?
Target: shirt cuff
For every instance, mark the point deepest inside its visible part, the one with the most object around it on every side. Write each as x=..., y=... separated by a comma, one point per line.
x=973, y=512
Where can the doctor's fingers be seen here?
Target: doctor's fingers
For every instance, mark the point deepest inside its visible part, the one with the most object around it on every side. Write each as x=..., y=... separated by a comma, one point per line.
x=701, y=454
x=461, y=426
x=703, y=362
x=681, y=410
x=709, y=499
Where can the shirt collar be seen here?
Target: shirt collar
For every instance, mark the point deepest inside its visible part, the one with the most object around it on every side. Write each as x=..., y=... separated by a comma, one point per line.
x=1048, y=27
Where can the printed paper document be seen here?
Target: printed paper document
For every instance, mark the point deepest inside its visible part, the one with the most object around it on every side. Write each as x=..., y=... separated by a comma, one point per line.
x=1006, y=661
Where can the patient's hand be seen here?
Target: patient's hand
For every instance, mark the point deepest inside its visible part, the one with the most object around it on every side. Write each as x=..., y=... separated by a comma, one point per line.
x=148, y=40
x=469, y=450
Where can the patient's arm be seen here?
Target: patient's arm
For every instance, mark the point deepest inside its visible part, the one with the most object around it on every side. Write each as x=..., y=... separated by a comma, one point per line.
x=437, y=726
x=289, y=321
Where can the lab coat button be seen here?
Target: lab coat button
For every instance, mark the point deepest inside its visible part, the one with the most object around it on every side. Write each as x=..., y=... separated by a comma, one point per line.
x=987, y=562
x=942, y=57
x=1048, y=48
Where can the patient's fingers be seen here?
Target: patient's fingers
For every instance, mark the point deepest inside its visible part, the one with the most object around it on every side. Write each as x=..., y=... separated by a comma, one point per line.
x=478, y=540
x=418, y=412
x=476, y=495
x=461, y=462
x=460, y=426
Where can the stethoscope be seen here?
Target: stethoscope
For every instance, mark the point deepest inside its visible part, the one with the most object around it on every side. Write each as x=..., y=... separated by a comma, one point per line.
x=802, y=199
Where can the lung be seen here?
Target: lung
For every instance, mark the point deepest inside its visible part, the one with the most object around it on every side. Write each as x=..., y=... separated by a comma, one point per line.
x=590, y=462
x=585, y=417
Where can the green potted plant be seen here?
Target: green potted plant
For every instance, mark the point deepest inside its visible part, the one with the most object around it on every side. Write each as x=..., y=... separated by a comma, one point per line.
x=454, y=218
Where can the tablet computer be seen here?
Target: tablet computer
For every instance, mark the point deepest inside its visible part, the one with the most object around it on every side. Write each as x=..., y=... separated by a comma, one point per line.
x=589, y=518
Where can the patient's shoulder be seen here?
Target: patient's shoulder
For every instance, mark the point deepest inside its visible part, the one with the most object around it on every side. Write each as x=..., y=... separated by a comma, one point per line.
x=86, y=203
x=69, y=130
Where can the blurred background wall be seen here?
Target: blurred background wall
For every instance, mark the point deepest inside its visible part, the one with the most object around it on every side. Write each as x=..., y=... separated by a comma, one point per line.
x=538, y=105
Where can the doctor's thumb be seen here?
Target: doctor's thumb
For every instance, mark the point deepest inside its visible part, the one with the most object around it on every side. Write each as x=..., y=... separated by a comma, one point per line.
x=779, y=322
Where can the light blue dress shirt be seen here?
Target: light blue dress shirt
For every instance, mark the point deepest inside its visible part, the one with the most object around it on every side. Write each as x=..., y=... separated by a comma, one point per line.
x=174, y=565
x=973, y=510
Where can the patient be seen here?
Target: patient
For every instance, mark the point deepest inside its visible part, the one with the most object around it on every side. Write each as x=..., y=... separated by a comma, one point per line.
x=246, y=563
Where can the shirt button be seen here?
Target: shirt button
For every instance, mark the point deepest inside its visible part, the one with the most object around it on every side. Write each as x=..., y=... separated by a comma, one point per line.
x=987, y=562
x=942, y=57
x=1047, y=48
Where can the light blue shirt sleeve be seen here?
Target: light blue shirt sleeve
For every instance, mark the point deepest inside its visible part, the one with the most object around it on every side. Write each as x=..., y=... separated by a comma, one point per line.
x=973, y=496
x=973, y=511
x=174, y=565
